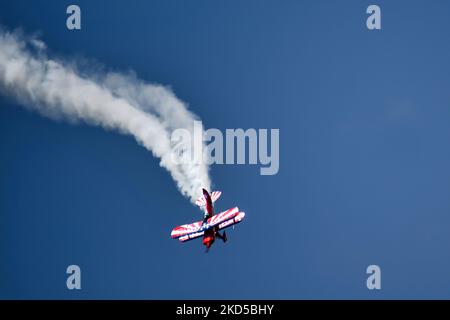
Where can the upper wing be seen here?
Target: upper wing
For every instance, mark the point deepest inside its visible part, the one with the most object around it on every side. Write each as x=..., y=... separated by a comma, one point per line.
x=224, y=221
x=199, y=226
x=186, y=229
x=201, y=201
x=223, y=216
x=238, y=218
x=196, y=229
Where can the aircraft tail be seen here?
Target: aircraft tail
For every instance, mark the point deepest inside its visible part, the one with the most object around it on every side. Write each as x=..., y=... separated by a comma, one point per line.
x=201, y=201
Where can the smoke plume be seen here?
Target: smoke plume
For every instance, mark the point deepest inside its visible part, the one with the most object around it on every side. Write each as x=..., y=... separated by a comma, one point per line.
x=57, y=88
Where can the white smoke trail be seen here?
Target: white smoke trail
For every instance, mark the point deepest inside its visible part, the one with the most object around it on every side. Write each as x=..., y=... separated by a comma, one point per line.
x=57, y=89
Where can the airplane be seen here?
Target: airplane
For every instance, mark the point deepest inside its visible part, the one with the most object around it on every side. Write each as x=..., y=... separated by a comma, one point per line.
x=211, y=224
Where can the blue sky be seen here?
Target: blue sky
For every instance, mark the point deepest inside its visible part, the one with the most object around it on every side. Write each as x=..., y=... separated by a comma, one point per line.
x=364, y=176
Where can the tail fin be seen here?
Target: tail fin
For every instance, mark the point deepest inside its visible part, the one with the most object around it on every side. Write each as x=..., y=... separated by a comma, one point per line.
x=215, y=195
x=201, y=201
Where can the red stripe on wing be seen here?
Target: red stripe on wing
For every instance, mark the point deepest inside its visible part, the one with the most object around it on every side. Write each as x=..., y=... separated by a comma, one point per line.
x=185, y=229
x=223, y=216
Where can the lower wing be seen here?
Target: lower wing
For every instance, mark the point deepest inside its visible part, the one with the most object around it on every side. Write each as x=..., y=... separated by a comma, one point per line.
x=191, y=236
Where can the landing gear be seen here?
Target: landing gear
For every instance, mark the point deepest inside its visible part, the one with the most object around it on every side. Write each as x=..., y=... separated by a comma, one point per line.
x=223, y=237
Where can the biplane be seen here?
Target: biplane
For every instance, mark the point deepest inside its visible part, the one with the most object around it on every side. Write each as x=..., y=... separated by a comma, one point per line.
x=209, y=228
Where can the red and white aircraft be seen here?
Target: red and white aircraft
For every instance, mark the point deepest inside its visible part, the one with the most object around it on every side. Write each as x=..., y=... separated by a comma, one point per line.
x=211, y=224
